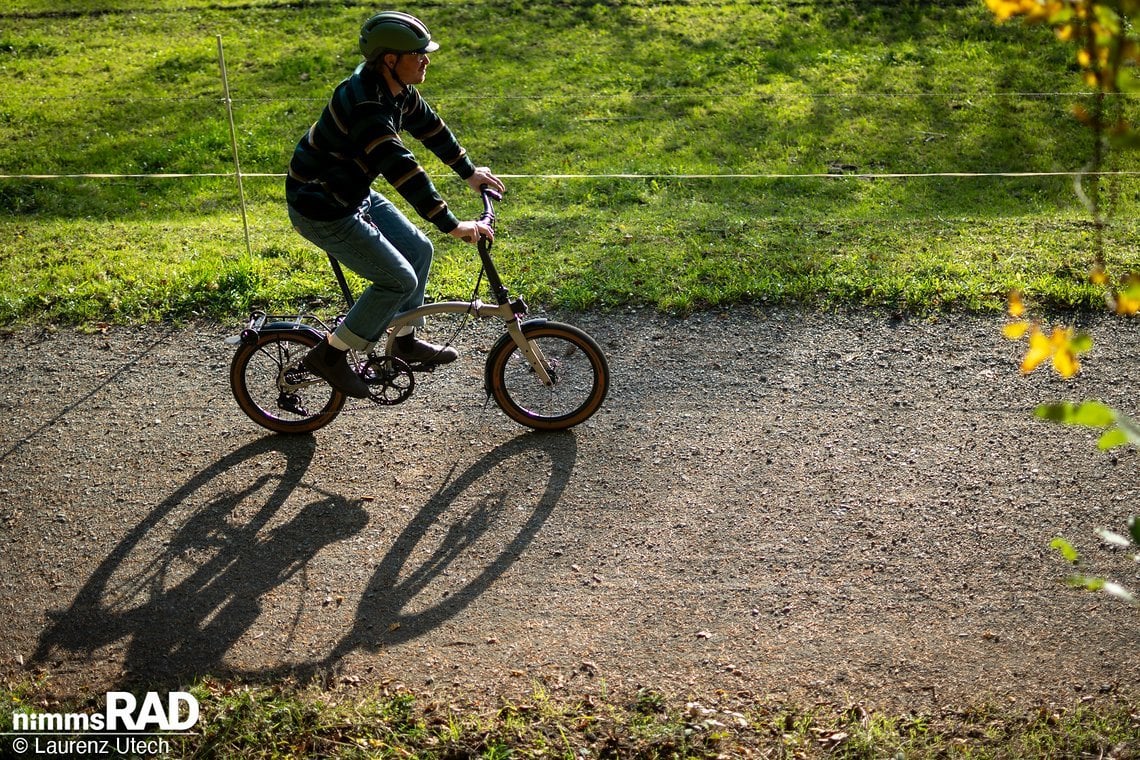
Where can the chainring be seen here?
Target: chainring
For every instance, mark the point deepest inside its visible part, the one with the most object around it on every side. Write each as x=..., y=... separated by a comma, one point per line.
x=389, y=378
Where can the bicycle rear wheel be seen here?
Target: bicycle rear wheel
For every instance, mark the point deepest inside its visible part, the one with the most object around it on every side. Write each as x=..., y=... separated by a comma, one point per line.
x=575, y=363
x=276, y=390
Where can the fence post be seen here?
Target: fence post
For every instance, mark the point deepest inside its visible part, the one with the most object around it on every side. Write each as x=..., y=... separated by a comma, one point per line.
x=233, y=141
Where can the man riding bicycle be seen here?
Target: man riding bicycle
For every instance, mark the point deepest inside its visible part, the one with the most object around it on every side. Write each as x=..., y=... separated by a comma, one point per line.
x=332, y=204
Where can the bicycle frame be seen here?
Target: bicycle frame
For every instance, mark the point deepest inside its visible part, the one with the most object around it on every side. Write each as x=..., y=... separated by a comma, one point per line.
x=507, y=312
x=510, y=310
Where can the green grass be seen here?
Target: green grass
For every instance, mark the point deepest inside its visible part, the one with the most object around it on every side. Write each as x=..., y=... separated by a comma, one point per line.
x=288, y=720
x=544, y=88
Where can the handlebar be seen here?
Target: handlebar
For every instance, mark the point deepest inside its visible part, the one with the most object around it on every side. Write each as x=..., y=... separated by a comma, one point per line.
x=490, y=195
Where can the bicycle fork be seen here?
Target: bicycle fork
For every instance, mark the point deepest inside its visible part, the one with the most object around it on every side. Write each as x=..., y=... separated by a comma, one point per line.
x=532, y=352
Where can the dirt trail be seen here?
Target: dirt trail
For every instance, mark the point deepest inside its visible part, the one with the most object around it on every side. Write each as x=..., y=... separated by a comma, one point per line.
x=770, y=504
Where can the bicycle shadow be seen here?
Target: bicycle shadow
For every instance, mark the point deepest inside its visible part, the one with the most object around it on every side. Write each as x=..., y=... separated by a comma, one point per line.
x=187, y=583
x=394, y=607
x=181, y=601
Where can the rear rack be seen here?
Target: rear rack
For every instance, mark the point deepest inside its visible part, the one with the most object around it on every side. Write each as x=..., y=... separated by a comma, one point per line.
x=260, y=320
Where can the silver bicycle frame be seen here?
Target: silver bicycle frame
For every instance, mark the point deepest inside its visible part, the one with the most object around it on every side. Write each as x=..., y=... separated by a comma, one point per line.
x=479, y=310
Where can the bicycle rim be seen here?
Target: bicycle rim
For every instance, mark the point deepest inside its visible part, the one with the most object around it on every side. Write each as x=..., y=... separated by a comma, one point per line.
x=276, y=391
x=577, y=366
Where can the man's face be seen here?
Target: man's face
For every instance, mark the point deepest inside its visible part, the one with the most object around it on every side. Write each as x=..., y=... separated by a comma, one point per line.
x=412, y=67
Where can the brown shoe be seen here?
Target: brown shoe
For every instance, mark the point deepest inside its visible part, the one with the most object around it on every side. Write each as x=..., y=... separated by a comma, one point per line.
x=415, y=351
x=331, y=364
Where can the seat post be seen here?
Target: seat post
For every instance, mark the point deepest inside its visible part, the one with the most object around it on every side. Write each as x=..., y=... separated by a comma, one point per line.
x=341, y=281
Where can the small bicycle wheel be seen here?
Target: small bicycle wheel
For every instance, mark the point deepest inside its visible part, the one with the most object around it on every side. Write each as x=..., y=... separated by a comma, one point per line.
x=575, y=363
x=276, y=390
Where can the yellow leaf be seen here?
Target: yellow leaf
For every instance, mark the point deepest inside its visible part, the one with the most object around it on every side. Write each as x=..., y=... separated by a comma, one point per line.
x=1065, y=363
x=1127, y=304
x=1061, y=338
x=1016, y=305
x=1127, y=301
x=1003, y=9
x=1015, y=330
x=1040, y=349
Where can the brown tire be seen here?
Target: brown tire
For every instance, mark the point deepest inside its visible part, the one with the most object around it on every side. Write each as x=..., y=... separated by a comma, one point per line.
x=274, y=388
x=577, y=365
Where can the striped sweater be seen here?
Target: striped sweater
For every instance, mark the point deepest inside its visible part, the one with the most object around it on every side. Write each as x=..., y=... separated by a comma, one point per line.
x=357, y=139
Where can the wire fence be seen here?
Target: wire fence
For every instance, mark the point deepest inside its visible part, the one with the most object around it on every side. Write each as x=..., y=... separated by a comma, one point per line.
x=237, y=175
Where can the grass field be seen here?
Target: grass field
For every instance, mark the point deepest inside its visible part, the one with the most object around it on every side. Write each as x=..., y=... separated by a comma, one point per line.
x=781, y=152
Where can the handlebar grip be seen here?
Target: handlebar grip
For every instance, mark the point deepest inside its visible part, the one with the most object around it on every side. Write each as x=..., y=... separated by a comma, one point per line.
x=489, y=195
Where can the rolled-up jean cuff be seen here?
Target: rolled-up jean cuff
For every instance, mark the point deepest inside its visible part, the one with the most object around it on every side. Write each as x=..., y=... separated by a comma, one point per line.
x=352, y=340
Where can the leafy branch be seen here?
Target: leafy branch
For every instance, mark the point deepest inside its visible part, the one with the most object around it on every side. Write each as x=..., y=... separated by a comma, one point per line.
x=1108, y=54
x=1096, y=583
x=1119, y=429
x=1107, y=50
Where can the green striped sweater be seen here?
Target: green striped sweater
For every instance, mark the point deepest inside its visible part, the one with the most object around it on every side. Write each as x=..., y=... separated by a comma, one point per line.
x=357, y=139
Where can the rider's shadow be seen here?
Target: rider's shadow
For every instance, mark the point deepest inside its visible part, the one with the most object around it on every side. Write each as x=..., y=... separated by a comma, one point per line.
x=498, y=503
x=187, y=583
x=181, y=601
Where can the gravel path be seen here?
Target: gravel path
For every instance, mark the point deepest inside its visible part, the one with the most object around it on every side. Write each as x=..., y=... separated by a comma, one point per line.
x=771, y=505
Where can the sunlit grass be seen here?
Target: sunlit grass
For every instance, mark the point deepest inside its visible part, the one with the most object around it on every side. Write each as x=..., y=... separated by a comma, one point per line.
x=288, y=719
x=808, y=99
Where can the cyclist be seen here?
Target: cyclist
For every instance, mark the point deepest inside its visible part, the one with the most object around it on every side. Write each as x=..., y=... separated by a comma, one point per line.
x=332, y=204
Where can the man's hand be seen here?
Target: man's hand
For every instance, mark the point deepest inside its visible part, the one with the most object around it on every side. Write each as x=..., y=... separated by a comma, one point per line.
x=483, y=176
x=470, y=232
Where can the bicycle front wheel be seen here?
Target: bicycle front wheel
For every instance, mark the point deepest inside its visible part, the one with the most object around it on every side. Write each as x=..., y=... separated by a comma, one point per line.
x=277, y=391
x=576, y=365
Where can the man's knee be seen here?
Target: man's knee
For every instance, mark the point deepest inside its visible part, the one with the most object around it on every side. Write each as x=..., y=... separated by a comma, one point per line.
x=403, y=283
x=422, y=249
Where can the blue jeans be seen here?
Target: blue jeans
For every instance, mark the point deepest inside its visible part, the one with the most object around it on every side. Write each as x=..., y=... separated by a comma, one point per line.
x=382, y=246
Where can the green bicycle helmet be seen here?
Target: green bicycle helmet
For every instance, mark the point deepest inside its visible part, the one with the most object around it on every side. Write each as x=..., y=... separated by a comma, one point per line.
x=394, y=32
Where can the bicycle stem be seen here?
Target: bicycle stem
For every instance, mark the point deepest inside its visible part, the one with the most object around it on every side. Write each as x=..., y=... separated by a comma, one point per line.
x=502, y=296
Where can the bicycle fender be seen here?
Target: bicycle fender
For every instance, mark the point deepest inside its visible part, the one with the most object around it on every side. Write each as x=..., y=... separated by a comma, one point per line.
x=500, y=345
x=249, y=335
